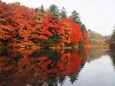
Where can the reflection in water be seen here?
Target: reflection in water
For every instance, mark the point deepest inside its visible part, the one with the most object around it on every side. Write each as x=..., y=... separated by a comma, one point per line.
x=112, y=55
x=40, y=67
x=44, y=67
x=95, y=53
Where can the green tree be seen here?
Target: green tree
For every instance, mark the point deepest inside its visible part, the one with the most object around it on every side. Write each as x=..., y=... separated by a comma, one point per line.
x=113, y=36
x=75, y=17
x=63, y=13
x=96, y=38
x=42, y=9
x=36, y=10
x=112, y=40
x=54, y=11
x=16, y=4
x=82, y=27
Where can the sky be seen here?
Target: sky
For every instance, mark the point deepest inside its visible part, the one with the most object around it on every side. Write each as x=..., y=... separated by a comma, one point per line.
x=97, y=15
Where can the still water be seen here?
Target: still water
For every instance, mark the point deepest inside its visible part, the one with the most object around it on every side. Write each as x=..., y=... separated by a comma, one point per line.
x=91, y=67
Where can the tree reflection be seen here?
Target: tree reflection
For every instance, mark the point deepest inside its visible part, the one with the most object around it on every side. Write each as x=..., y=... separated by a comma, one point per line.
x=112, y=55
x=95, y=53
x=20, y=67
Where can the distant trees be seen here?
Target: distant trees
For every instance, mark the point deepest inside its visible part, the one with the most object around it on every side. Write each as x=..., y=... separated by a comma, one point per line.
x=113, y=36
x=96, y=38
x=112, y=40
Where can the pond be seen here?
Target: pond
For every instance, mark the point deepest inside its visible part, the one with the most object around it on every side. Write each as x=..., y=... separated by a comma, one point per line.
x=89, y=67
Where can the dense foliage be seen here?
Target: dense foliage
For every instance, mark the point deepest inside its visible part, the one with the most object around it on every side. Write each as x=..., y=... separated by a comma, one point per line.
x=96, y=38
x=22, y=26
x=112, y=40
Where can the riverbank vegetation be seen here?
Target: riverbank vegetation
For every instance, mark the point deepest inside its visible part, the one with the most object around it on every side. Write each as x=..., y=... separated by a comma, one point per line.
x=112, y=40
x=21, y=26
x=96, y=39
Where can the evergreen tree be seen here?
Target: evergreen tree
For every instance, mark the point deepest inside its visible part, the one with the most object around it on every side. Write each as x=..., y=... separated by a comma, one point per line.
x=42, y=9
x=16, y=4
x=75, y=17
x=54, y=11
x=82, y=27
x=36, y=9
x=113, y=36
x=63, y=13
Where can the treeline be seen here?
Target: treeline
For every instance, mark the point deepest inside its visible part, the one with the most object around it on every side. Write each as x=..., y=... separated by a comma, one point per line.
x=112, y=40
x=22, y=26
x=96, y=39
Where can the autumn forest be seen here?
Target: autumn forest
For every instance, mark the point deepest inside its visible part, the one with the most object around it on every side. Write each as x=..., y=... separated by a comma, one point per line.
x=49, y=47
x=21, y=26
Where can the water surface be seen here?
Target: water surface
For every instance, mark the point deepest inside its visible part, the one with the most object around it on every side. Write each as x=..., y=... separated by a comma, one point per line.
x=91, y=67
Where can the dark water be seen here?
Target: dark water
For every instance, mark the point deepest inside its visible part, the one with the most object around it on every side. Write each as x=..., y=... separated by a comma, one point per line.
x=91, y=67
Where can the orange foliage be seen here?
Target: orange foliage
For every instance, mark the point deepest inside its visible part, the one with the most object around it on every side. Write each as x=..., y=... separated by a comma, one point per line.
x=23, y=26
x=85, y=35
x=26, y=62
x=71, y=31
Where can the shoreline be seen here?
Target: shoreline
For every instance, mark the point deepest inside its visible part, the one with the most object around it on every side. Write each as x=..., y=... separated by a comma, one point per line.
x=58, y=47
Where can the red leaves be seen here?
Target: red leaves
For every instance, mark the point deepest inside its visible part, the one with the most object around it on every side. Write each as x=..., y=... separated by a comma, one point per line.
x=24, y=24
x=43, y=37
x=86, y=40
x=71, y=31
